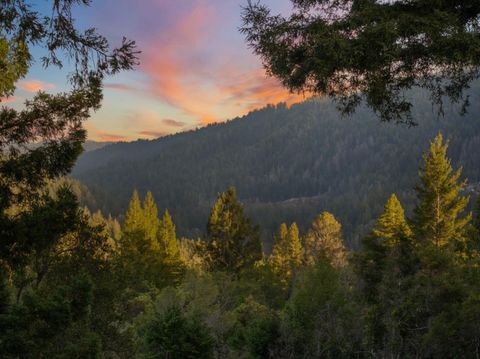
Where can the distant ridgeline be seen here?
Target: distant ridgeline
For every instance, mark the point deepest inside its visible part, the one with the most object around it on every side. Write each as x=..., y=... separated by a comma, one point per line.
x=286, y=164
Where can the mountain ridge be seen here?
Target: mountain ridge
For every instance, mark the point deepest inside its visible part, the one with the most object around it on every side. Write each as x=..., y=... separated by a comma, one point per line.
x=346, y=166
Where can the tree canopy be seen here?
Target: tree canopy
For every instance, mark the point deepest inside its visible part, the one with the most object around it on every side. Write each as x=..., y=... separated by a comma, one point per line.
x=370, y=51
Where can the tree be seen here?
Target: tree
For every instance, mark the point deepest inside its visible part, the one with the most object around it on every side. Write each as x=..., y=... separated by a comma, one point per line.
x=287, y=254
x=370, y=50
x=437, y=216
x=324, y=238
x=320, y=320
x=41, y=143
x=134, y=218
x=169, y=334
x=233, y=242
x=167, y=237
x=391, y=222
x=383, y=263
x=150, y=218
x=390, y=230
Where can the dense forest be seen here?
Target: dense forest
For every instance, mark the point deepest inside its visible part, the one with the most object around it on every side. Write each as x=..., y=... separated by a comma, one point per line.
x=135, y=290
x=286, y=164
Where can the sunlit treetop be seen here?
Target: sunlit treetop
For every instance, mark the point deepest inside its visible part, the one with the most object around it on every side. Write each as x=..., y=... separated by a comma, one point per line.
x=371, y=51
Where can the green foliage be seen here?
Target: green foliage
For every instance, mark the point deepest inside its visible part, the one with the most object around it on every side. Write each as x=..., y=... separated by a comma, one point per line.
x=167, y=237
x=287, y=254
x=255, y=330
x=391, y=222
x=319, y=316
x=370, y=51
x=324, y=239
x=233, y=242
x=437, y=215
x=54, y=255
x=170, y=335
x=134, y=218
x=150, y=217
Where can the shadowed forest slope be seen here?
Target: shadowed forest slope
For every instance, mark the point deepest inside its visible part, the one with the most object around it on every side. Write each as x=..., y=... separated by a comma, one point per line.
x=287, y=164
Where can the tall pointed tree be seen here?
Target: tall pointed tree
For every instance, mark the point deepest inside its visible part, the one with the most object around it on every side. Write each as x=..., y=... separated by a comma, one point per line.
x=167, y=237
x=325, y=239
x=392, y=222
x=294, y=246
x=438, y=217
x=390, y=230
x=287, y=252
x=234, y=243
x=134, y=220
x=151, y=221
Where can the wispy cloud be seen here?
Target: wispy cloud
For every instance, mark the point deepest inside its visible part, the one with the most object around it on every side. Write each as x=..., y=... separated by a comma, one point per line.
x=173, y=123
x=206, y=80
x=35, y=85
x=121, y=87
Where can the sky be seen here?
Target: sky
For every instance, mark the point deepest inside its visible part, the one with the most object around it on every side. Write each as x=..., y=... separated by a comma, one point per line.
x=195, y=67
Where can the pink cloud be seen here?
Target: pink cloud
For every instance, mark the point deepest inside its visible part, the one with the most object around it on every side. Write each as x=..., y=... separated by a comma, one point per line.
x=206, y=80
x=35, y=85
x=120, y=87
x=10, y=99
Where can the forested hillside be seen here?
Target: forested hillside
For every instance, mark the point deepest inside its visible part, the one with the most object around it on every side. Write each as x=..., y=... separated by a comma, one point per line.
x=287, y=164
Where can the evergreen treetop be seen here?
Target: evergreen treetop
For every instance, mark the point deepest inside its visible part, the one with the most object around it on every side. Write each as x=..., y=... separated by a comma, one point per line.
x=438, y=217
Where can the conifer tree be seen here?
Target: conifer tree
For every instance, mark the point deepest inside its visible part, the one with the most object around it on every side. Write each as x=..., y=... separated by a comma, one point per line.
x=287, y=252
x=167, y=237
x=388, y=235
x=233, y=242
x=383, y=263
x=438, y=213
x=134, y=219
x=294, y=246
x=325, y=239
x=391, y=222
x=151, y=221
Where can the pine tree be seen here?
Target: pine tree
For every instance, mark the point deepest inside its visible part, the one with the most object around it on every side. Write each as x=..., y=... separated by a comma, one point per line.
x=388, y=236
x=233, y=242
x=391, y=222
x=151, y=221
x=437, y=216
x=294, y=246
x=325, y=239
x=287, y=252
x=384, y=261
x=134, y=220
x=167, y=237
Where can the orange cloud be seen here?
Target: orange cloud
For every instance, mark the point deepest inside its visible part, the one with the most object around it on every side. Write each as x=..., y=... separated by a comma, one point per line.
x=208, y=87
x=35, y=85
x=173, y=123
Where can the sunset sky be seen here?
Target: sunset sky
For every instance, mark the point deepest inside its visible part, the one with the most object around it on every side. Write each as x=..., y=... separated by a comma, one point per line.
x=195, y=67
